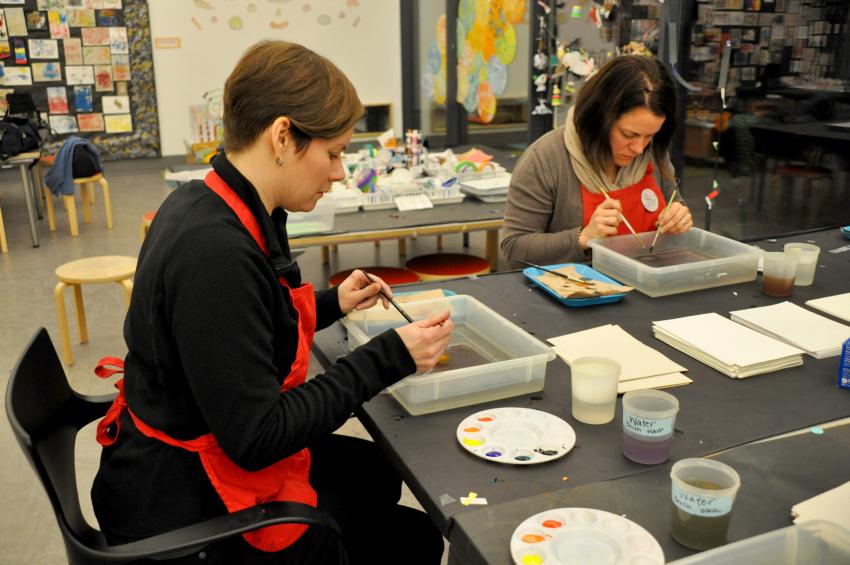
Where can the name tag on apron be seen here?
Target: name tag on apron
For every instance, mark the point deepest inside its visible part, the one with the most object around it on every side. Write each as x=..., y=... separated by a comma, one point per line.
x=649, y=200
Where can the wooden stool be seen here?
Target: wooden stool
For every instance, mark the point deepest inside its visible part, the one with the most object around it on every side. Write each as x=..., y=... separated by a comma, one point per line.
x=146, y=223
x=390, y=275
x=444, y=266
x=87, y=197
x=92, y=270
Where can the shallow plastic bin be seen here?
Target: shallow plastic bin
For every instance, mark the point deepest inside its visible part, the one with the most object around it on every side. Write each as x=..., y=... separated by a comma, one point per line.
x=513, y=363
x=690, y=261
x=814, y=542
x=319, y=220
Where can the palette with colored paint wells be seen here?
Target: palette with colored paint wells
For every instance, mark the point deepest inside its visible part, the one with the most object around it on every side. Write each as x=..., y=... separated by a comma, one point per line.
x=583, y=535
x=518, y=436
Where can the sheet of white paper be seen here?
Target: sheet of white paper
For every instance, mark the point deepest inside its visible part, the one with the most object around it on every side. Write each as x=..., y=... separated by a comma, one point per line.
x=413, y=202
x=491, y=183
x=730, y=343
x=818, y=335
x=832, y=505
x=636, y=359
x=657, y=381
x=837, y=305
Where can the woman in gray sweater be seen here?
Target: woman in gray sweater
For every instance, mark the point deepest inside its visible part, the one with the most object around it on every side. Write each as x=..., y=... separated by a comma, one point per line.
x=616, y=138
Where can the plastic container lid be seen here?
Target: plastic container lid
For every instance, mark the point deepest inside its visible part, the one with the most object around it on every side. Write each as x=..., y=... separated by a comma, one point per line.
x=654, y=404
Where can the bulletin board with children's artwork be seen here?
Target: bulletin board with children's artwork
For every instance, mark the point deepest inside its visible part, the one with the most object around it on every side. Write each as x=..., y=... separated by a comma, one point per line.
x=87, y=65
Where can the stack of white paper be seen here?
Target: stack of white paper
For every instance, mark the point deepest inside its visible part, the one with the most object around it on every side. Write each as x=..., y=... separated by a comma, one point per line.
x=490, y=189
x=819, y=336
x=838, y=305
x=832, y=505
x=640, y=366
x=731, y=348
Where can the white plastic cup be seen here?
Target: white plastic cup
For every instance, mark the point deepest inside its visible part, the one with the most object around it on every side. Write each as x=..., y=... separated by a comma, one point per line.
x=703, y=493
x=780, y=270
x=807, y=255
x=648, y=420
x=594, y=383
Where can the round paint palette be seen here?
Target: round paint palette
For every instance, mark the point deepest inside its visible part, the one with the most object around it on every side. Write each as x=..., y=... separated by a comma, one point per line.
x=583, y=535
x=518, y=436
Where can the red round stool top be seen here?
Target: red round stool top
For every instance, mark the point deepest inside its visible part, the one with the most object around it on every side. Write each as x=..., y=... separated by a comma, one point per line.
x=149, y=217
x=440, y=266
x=390, y=275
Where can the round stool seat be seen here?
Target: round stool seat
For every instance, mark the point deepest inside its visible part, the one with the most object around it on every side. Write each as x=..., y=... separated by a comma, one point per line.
x=390, y=275
x=47, y=160
x=148, y=218
x=92, y=270
x=443, y=266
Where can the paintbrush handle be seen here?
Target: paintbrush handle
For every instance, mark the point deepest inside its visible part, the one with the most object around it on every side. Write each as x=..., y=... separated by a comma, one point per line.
x=392, y=301
x=657, y=231
x=624, y=220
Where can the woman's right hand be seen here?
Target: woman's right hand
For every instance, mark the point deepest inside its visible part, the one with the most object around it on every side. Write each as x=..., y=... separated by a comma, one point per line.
x=426, y=340
x=603, y=222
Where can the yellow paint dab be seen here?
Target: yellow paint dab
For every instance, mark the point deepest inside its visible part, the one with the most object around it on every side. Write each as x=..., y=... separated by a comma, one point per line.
x=532, y=559
x=472, y=442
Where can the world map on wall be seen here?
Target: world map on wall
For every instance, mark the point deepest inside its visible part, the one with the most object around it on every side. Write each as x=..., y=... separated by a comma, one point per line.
x=486, y=45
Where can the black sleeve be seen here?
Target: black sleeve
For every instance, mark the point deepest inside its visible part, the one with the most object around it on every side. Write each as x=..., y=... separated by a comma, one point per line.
x=327, y=307
x=221, y=302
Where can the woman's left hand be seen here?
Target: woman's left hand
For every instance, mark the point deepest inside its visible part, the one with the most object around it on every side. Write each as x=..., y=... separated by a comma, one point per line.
x=357, y=292
x=675, y=219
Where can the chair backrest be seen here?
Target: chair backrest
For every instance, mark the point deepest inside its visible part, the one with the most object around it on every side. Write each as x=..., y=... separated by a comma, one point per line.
x=46, y=414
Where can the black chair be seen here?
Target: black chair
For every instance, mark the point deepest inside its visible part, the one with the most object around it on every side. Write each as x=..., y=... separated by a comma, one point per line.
x=46, y=415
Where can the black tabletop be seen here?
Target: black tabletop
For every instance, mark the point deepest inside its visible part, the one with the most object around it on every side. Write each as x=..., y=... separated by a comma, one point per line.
x=716, y=413
x=775, y=475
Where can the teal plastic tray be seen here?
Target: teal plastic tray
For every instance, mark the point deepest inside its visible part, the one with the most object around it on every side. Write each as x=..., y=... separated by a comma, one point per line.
x=533, y=275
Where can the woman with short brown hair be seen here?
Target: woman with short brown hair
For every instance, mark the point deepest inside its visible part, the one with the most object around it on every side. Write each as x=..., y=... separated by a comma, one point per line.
x=215, y=413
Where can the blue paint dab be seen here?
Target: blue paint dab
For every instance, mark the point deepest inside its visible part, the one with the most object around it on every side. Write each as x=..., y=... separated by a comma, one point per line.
x=493, y=454
x=522, y=458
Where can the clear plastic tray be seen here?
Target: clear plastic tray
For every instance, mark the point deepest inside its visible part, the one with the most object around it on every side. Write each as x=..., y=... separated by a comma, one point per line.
x=319, y=220
x=817, y=541
x=503, y=360
x=690, y=261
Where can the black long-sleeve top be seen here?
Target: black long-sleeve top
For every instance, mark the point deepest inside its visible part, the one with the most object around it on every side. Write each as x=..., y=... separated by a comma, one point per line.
x=211, y=335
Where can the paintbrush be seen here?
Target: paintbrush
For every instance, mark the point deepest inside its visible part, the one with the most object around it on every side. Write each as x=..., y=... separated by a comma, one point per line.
x=563, y=275
x=657, y=231
x=393, y=302
x=624, y=220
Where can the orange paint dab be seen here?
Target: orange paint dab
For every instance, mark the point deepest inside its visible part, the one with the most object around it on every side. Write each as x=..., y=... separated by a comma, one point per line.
x=552, y=524
x=279, y=25
x=533, y=538
x=472, y=429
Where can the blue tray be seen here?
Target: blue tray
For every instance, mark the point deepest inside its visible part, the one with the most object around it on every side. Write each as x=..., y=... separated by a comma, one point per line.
x=846, y=231
x=532, y=274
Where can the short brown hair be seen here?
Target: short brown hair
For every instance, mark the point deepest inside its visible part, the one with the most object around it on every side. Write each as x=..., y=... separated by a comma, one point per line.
x=621, y=85
x=278, y=78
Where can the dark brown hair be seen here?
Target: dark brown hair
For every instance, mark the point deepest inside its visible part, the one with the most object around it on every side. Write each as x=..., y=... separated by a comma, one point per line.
x=278, y=78
x=624, y=84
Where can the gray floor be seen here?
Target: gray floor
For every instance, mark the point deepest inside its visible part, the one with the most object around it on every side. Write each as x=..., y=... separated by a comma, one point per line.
x=28, y=531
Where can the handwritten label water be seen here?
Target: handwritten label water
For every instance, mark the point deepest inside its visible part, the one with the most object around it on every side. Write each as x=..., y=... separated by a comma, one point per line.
x=700, y=505
x=648, y=427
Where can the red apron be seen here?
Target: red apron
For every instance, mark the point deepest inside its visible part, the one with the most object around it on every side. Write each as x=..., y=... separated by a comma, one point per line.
x=286, y=480
x=635, y=208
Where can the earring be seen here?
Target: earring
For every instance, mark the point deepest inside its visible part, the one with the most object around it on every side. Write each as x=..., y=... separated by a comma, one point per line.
x=278, y=161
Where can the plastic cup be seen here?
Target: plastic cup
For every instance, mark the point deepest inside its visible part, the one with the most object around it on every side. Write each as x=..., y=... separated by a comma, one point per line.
x=807, y=255
x=780, y=269
x=594, y=389
x=648, y=420
x=703, y=492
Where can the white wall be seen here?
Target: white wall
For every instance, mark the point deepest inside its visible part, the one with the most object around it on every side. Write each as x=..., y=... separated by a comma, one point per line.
x=369, y=53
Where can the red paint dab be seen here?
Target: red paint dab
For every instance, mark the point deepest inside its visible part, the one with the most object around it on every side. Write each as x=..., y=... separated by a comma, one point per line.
x=485, y=419
x=552, y=524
